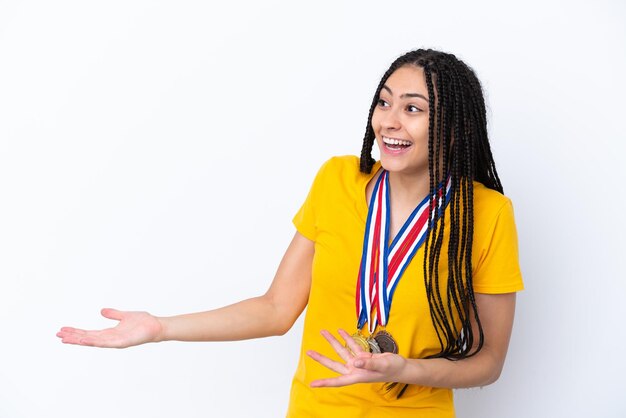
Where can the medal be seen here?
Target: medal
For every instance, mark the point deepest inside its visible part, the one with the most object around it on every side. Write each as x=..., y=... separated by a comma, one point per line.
x=361, y=341
x=369, y=344
x=374, y=347
x=383, y=264
x=386, y=342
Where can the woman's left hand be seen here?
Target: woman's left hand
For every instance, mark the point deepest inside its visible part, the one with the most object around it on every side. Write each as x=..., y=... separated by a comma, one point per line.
x=360, y=367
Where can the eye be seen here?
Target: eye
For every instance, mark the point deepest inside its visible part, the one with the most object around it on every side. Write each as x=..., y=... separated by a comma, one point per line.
x=382, y=103
x=413, y=109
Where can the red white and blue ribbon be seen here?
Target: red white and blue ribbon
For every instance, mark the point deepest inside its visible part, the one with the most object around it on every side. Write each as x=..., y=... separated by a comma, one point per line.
x=382, y=264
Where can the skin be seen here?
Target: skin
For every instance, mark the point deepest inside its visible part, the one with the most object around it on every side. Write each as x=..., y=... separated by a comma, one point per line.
x=402, y=114
x=270, y=314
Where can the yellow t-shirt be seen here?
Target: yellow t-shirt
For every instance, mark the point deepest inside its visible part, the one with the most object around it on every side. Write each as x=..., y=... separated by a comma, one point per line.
x=334, y=216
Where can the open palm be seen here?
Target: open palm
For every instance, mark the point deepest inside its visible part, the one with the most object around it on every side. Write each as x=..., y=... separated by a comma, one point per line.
x=360, y=367
x=134, y=328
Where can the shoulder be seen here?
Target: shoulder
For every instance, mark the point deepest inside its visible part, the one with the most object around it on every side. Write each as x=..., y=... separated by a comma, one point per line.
x=495, y=247
x=342, y=164
x=340, y=169
x=488, y=203
x=493, y=214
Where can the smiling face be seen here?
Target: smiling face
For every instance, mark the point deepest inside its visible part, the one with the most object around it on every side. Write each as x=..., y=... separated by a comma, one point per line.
x=400, y=122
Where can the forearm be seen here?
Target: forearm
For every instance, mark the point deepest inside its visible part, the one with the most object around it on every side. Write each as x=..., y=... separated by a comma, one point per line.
x=479, y=370
x=250, y=318
x=497, y=312
x=271, y=314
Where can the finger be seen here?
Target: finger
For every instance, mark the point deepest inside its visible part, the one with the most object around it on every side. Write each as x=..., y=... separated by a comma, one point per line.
x=72, y=339
x=67, y=333
x=70, y=335
x=78, y=340
x=338, y=381
x=79, y=333
x=343, y=352
x=328, y=363
x=72, y=330
x=372, y=364
x=380, y=363
x=93, y=340
x=356, y=348
x=112, y=314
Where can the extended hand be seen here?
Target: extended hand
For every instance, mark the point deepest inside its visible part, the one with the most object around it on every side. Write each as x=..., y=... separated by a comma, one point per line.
x=134, y=328
x=360, y=367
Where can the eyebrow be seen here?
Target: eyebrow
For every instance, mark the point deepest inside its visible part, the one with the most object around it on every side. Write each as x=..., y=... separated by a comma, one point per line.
x=405, y=95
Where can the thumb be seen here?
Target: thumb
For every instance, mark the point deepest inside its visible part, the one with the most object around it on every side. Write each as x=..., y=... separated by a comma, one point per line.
x=367, y=364
x=112, y=314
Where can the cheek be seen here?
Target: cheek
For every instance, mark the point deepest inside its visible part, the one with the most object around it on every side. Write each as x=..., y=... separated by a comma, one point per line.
x=419, y=132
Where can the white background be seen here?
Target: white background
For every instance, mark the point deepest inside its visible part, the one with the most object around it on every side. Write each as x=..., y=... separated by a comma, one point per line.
x=153, y=153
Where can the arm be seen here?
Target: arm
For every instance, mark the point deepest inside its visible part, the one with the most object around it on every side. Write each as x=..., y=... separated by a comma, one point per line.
x=496, y=314
x=484, y=368
x=271, y=314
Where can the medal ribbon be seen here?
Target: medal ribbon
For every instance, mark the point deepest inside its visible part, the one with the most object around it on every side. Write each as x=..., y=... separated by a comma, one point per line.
x=382, y=265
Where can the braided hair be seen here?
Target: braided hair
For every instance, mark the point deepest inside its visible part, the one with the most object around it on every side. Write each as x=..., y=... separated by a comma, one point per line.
x=458, y=147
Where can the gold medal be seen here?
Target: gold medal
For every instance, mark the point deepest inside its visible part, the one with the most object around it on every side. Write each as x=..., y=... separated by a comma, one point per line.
x=361, y=341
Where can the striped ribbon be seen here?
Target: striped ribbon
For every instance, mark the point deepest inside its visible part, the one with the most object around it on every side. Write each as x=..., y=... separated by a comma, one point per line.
x=382, y=264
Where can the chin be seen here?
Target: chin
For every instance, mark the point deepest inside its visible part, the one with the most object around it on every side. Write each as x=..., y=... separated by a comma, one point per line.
x=395, y=165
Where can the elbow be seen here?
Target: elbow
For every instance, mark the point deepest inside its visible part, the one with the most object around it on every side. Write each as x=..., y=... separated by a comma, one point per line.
x=281, y=316
x=279, y=321
x=285, y=324
x=493, y=378
x=494, y=374
x=281, y=332
x=487, y=368
x=281, y=329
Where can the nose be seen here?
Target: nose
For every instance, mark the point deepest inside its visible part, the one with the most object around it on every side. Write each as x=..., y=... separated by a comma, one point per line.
x=390, y=120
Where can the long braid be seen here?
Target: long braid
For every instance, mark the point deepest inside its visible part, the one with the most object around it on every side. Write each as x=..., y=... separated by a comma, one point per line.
x=455, y=276
x=453, y=294
x=458, y=147
x=464, y=251
x=431, y=260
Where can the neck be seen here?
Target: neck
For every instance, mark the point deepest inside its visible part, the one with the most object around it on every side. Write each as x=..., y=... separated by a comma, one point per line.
x=408, y=188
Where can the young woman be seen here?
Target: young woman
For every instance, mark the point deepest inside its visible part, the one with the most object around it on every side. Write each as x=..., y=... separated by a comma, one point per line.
x=412, y=258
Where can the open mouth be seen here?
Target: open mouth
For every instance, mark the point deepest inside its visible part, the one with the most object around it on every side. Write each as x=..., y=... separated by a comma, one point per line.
x=396, y=144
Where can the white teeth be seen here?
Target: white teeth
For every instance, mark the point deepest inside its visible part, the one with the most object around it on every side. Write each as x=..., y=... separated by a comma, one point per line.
x=392, y=141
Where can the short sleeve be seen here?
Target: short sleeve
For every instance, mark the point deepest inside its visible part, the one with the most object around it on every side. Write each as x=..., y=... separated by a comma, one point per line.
x=497, y=269
x=305, y=219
